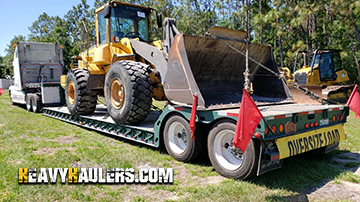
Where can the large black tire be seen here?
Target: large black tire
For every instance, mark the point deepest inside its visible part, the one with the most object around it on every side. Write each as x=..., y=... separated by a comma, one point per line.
x=79, y=99
x=225, y=161
x=28, y=101
x=128, y=92
x=36, y=104
x=12, y=102
x=177, y=139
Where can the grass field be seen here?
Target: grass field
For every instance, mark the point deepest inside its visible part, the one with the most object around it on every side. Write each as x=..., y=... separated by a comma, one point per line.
x=35, y=141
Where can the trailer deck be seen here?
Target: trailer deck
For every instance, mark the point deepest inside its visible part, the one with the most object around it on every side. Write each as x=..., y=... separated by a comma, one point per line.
x=100, y=121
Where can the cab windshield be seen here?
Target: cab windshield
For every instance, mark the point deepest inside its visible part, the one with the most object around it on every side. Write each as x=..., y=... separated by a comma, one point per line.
x=130, y=22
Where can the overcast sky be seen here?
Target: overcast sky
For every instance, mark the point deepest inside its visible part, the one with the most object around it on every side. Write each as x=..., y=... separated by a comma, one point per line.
x=17, y=16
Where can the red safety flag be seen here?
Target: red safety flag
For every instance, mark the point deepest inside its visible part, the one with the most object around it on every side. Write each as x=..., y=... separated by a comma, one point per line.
x=1, y=91
x=248, y=119
x=354, y=101
x=192, y=124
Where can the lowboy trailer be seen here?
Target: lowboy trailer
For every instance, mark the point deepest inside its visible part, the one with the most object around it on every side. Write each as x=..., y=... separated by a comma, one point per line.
x=286, y=130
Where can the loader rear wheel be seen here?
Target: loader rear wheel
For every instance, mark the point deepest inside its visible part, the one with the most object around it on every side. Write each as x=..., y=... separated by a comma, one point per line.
x=177, y=139
x=79, y=99
x=226, y=161
x=36, y=103
x=128, y=92
x=28, y=101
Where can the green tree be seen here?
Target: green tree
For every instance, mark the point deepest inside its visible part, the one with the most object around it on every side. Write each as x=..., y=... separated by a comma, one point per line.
x=8, y=59
x=2, y=67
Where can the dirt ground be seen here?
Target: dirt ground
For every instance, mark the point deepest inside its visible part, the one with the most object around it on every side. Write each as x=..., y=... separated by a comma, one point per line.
x=328, y=190
x=335, y=190
x=338, y=190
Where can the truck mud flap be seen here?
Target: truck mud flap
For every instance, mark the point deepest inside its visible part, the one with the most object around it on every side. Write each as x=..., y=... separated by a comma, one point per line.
x=266, y=163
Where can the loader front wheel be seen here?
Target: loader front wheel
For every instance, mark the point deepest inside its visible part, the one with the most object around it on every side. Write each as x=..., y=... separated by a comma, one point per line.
x=227, y=161
x=79, y=99
x=128, y=92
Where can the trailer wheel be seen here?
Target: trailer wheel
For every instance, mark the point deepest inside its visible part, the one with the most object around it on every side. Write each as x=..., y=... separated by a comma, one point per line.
x=128, y=92
x=28, y=101
x=177, y=139
x=36, y=103
x=79, y=99
x=229, y=163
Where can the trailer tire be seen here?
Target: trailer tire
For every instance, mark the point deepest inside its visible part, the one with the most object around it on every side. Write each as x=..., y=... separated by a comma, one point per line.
x=12, y=102
x=128, y=92
x=181, y=148
x=79, y=99
x=224, y=159
x=28, y=101
x=36, y=104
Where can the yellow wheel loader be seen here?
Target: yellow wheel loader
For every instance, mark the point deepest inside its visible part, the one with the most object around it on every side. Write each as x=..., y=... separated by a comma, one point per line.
x=113, y=69
x=324, y=75
x=129, y=69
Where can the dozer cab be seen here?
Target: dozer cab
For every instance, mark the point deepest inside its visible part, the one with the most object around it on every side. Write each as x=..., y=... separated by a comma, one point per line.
x=322, y=74
x=129, y=69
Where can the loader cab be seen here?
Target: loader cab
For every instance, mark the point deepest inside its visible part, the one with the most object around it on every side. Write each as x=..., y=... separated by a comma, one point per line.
x=118, y=20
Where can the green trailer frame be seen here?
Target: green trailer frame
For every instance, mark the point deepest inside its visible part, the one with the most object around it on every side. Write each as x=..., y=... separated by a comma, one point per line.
x=150, y=131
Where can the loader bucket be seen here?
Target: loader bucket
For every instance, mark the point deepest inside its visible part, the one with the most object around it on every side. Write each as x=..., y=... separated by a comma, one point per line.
x=209, y=68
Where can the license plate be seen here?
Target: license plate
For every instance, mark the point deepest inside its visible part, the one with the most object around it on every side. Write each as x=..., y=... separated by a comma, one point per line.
x=290, y=127
x=303, y=142
x=324, y=122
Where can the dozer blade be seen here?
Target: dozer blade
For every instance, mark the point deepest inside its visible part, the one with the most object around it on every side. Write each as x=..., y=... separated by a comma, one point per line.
x=215, y=72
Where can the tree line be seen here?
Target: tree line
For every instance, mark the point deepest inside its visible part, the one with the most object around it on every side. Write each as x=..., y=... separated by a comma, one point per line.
x=287, y=25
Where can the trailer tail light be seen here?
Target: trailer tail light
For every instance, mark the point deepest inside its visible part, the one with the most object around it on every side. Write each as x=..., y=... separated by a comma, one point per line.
x=306, y=125
x=316, y=124
x=334, y=118
x=274, y=157
x=338, y=117
x=273, y=128
x=311, y=125
x=281, y=128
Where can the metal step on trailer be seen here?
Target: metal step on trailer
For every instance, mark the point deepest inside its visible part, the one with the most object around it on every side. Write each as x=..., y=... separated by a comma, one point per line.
x=100, y=121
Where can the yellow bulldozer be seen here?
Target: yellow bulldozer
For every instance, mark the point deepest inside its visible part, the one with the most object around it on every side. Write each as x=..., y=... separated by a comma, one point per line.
x=129, y=69
x=323, y=75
